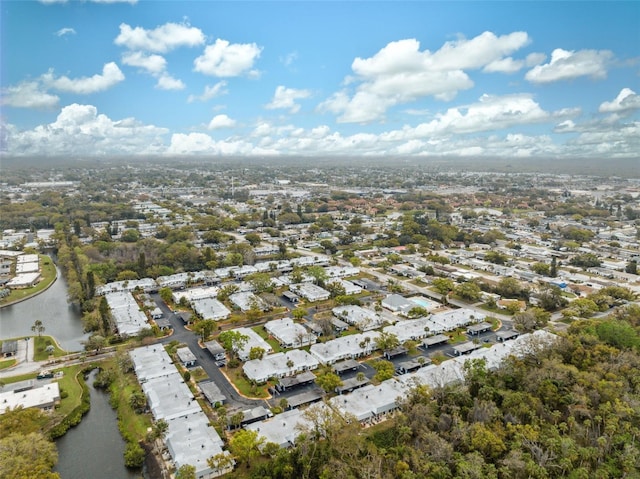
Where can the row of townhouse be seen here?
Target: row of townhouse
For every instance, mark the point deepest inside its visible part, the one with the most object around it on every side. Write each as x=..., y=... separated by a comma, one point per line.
x=190, y=438
x=279, y=365
x=372, y=403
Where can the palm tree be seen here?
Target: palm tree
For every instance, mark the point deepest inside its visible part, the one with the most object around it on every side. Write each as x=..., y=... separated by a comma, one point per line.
x=38, y=327
x=158, y=431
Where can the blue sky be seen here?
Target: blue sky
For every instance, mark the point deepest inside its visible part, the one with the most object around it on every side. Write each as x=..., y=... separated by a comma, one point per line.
x=326, y=78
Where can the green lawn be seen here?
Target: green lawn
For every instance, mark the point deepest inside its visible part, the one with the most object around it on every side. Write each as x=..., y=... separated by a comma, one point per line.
x=458, y=337
x=41, y=343
x=20, y=377
x=70, y=384
x=48, y=271
x=275, y=345
x=198, y=374
x=244, y=386
x=7, y=363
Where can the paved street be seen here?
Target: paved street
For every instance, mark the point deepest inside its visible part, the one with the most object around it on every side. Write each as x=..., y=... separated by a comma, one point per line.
x=205, y=360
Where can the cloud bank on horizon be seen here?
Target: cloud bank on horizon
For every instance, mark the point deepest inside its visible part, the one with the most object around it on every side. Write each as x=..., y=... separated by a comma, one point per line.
x=514, y=79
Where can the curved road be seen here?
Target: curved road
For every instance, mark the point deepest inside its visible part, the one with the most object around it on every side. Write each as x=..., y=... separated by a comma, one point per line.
x=180, y=333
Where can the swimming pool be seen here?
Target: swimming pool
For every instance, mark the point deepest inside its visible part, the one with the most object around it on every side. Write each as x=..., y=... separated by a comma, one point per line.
x=422, y=302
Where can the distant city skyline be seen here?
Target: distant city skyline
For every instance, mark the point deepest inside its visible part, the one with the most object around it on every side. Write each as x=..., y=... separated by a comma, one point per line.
x=349, y=78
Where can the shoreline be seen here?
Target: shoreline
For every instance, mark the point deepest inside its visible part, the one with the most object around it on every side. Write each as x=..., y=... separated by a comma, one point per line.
x=16, y=301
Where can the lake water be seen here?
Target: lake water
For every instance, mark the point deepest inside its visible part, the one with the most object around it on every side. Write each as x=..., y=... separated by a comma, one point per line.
x=94, y=448
x=60, y=319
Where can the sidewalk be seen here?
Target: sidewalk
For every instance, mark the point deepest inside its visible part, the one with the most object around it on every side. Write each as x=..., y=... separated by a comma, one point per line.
x=25, y=363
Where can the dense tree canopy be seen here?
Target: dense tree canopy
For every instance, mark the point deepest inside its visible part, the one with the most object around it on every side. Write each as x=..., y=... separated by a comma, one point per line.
x=566, y=410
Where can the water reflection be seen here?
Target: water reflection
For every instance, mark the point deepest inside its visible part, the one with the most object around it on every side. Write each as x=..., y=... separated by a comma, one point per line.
x=61, y=320
x=94, y=448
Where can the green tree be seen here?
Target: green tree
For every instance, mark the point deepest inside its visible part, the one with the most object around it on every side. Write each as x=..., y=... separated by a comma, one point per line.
x=245, y=446
x=582, y=307
x=204, y=328
x=186, y=471
x=233, y=342
x=417, y=312
x=138, y=402
x=221, y=462
x=91, y=285
x=256, y=352
x=329, y=246
x=166, y=294
x=585, y=260
x=299, y=313
x=253, y=239
x=443, y=285
x=318, y=273
x=95, y=342
x=531, y=319
x=550, y=298
x=541, y=268
x=553, y=268
x=127, y=275
x=335, y=289
x=261, y=282
x=134, y=455
x=329, y=381
x=226, y=291
x=384, y=369
x=509, y=288
x=469, y=290
x=387, y=341
x=38, y=327
x=27, y=456
x=496, y=257
x=618, y=333
x=130, y=236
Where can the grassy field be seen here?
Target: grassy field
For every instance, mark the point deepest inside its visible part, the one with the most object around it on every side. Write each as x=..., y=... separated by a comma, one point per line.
x=48, y=271
x=244, y=386
x=21, y=377
x=41, y=343
x=7, y=363
x=198, y=374
x=275, y=345
x=69, y=384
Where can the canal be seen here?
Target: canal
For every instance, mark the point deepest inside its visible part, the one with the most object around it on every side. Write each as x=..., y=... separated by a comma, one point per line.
x=94, y=448
x=61, y=320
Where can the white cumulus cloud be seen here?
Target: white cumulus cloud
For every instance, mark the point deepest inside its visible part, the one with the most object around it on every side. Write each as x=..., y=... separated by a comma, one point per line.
x=626, y=101
x=28, y=95
x=111, y=75
x=504, y=65
x=201, y=143
x=224, y=59
x=167, y=82
x=400, y=73
x=154, y=64
x=90, y=133
x=221, y=121
x=162, y=39
x=210, y=91
x=490, y=113
x=285, y=98
x=567, y=65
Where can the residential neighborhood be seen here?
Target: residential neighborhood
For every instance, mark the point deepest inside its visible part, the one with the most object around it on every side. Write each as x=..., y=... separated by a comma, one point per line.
x=243, y=311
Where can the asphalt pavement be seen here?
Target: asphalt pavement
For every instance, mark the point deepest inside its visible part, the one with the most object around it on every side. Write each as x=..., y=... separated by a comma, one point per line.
x=204, y=358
